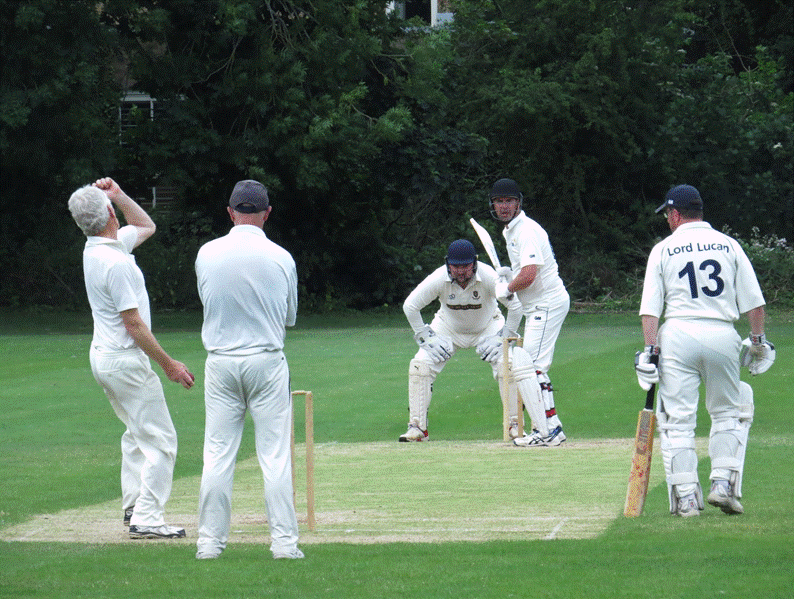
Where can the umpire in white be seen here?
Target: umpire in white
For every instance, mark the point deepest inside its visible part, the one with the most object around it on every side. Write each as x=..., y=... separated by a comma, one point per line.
x=701, y=281
x=248, y=286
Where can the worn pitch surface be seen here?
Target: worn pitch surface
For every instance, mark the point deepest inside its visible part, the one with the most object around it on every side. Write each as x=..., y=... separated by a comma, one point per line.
x=403, y=492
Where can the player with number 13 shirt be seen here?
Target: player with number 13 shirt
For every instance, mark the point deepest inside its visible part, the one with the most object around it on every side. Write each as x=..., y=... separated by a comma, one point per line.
x=701, y=281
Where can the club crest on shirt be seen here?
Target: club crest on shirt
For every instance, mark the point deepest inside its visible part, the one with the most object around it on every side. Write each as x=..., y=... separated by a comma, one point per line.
x=476, y=295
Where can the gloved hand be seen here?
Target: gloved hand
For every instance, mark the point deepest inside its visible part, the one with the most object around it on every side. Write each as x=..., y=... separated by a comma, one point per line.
x=645, y=363
x=490, y=349
x=757, y=354
x=505, y=272
x=501, y=290
x=438, y=348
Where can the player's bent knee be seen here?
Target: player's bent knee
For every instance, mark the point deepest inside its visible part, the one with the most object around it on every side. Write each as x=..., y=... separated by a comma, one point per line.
x=419, y=368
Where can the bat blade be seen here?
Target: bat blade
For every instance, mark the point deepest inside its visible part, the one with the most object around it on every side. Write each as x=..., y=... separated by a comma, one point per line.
x=643, y=450
x=487, y=243
x=640, y=464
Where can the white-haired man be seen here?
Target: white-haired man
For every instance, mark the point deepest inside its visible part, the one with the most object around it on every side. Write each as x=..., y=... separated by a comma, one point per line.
x=468, y=316
x=533, y=276
x=701, y=281
x=120, y=350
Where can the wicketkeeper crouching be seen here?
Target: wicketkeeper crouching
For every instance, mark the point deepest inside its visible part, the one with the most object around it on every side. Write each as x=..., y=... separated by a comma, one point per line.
x=469, y=316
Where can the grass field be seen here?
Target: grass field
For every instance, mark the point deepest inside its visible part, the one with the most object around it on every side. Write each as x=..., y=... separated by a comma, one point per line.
x=462, y=516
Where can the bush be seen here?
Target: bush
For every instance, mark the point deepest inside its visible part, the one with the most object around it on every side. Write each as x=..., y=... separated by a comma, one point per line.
x=773, y=260
x=168, y=260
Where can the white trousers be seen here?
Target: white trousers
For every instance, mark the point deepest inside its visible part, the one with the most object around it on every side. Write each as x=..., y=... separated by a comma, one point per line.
x=691, y=352
x=542, y=326
x=420, y=391
x=258, y=384
x=459, y=341
x=149, y=445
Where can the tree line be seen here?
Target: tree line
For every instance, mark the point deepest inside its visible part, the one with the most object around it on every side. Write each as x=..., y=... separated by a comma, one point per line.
x=378, y=138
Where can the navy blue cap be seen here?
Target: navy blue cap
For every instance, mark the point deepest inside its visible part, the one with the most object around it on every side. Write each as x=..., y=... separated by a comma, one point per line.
x=682, y=197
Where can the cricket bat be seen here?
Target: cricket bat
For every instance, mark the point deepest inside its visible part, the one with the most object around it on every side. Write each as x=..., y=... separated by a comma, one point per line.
x=487, y=242
x=641, y=461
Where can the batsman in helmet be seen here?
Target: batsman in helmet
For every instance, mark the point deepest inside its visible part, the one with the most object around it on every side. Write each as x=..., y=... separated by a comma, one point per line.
x=532, y=277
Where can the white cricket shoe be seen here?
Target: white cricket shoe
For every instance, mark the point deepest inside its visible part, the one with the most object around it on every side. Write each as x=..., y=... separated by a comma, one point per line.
x=156, y=532
x=414, y=433
x=535, y=439
x=721, y=496
x=687, y=506
x=291, y=554
x=206, y=554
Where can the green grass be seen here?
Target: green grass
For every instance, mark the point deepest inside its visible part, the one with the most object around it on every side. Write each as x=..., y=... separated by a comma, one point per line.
x=59, y=450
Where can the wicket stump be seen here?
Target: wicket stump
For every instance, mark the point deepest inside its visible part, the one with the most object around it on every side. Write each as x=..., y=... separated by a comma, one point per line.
x=309, y=397
x=507, y=380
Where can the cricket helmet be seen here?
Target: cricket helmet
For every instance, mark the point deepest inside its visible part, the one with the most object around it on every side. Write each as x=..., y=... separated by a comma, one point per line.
x=460, y=252
x=505, y=188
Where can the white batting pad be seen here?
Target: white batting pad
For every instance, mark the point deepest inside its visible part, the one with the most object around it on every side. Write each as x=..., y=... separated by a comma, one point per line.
x=526, y=379
x=420, y=388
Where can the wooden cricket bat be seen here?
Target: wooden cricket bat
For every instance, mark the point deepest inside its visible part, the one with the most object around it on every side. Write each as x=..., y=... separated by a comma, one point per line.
x=641, y=461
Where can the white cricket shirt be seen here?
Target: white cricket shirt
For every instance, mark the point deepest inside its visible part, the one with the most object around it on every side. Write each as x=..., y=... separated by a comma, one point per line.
x=528, y=244
x=114, y=283
x=698, y=272
x=464, y=311
x=249, y=288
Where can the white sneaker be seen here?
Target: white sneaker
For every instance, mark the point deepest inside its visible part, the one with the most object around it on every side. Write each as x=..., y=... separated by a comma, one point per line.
x=535, y=439
x=414, y=433
x=206, y=554
x=721, y=496
x=156, y=532
x=291, y=554
x=556, y=436
x=687, y=506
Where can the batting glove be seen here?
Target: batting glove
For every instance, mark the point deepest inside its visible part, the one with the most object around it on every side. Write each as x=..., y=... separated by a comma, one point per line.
x=757, y=354
x=505, y=272
x=439, y=349
x=501, y=290
x=645, y=365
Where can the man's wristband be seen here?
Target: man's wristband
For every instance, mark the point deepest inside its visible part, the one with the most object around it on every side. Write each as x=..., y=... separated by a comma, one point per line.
x=757, y=339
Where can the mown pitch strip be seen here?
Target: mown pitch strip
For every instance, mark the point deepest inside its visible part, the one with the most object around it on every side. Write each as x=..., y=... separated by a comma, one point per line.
x=403, y=492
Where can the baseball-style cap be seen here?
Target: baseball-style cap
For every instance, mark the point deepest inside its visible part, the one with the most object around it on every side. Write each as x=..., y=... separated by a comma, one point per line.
x=248, y=197
x=505, y=188
x=682, y=197
x=461, y=251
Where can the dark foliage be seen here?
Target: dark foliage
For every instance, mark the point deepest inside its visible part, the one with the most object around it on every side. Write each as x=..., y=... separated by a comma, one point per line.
x=378, y=138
